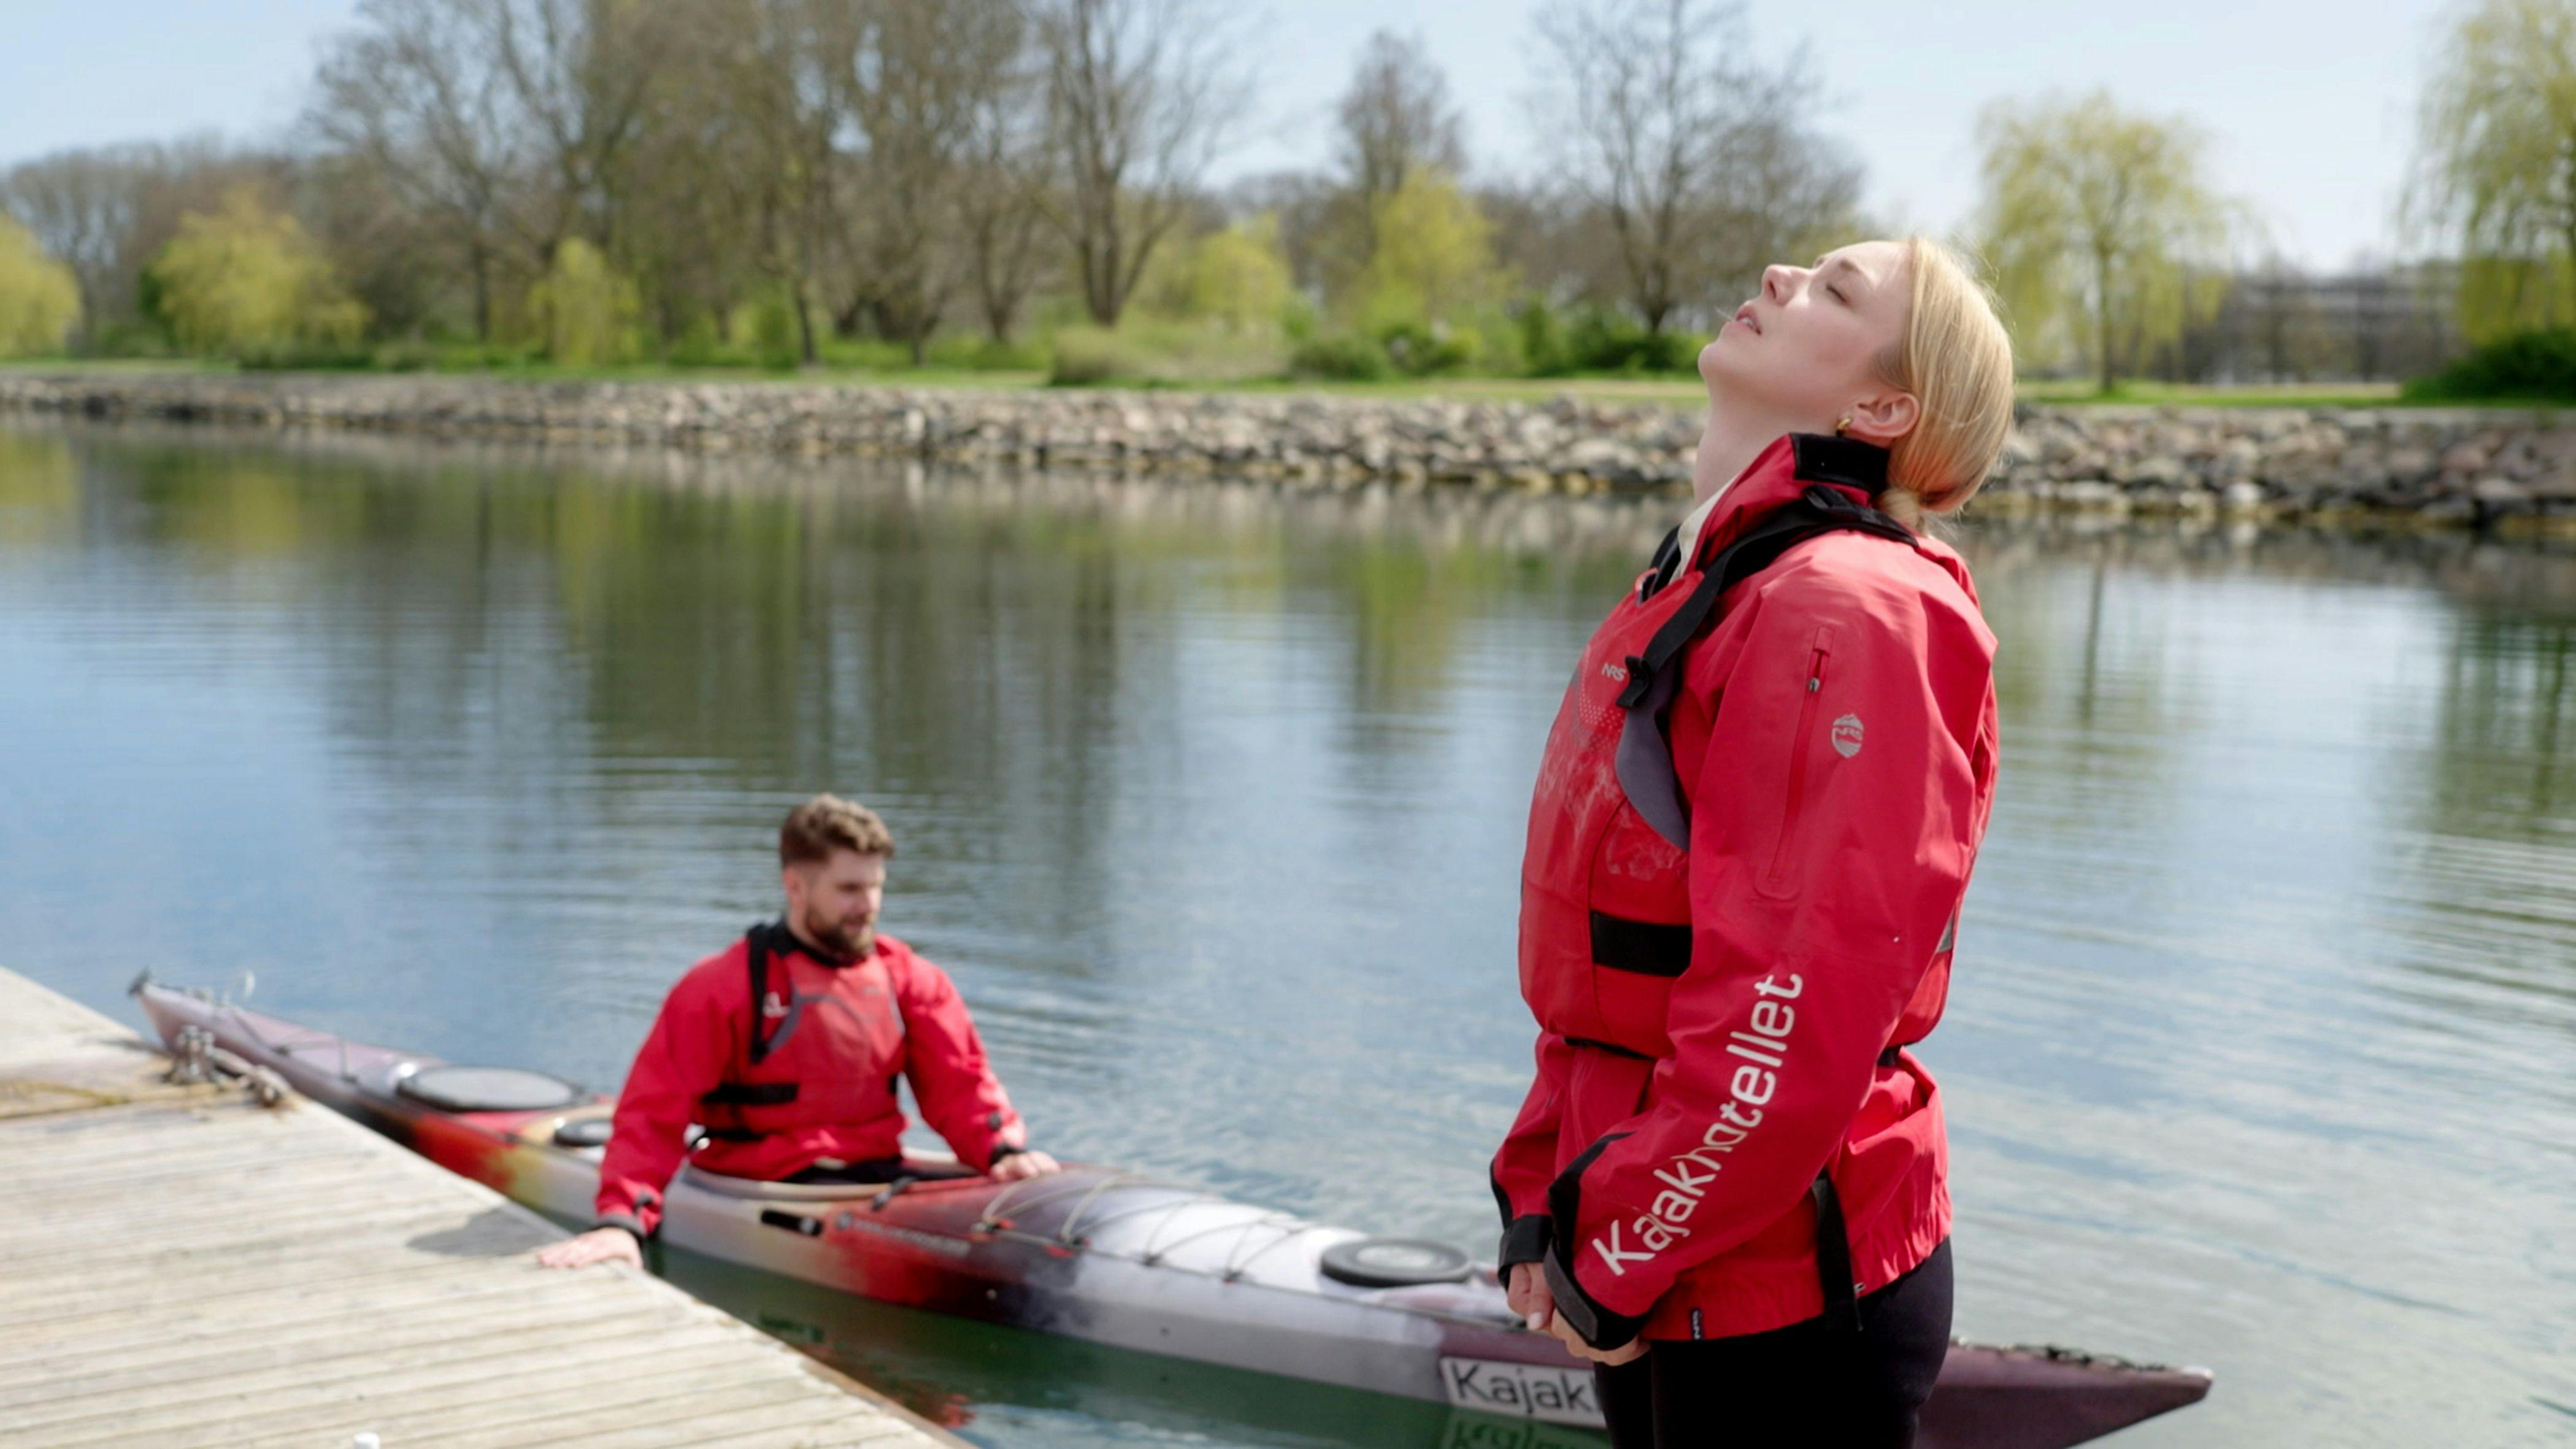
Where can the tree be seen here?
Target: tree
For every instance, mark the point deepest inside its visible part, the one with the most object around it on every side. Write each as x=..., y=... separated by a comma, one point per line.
x=1553, y=243
x=39, y=296
x=108, y=211
x=506, y=119
x=1435, y=256
x=81, y=205
x=583, y=309
x=1238, y=277
x=767, y=152
x=1395, y=119
x=999, y=197
x=2095, y=220
x=1140, y=97
x=913, y=80
x=419, y=95
x=2496, y=160
x=387, y=251
x=245, y=277
x=585, y=74
x=1699, y=159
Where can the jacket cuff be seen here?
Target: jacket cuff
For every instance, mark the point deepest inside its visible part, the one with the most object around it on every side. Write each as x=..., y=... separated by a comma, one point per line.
x=1007, y=1149
x=623, y=1220
x=1601, y=1327
x=1524, y=1241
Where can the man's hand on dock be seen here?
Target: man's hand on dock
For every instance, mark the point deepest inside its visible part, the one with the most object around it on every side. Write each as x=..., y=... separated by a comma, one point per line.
x=599, y=1245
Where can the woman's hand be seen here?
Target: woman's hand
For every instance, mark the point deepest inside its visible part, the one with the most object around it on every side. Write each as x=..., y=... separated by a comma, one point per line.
x=1526, y=1291
x=1628, y=1352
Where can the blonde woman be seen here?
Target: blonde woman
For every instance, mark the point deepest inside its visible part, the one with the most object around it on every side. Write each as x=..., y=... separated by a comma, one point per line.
x=1751, y=833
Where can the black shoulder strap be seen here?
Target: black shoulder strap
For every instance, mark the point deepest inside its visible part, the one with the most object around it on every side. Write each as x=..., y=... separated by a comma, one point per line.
x=1833, y=1258
x=756, y=953
x=1818, y=511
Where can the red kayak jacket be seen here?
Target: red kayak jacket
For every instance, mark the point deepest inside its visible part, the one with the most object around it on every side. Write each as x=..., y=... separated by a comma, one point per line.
x=1751, y=833
x=819, y=1082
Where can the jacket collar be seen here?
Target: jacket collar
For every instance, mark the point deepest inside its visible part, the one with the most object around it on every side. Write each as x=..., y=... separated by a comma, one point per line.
x=1782, y=471
x=1776, y=476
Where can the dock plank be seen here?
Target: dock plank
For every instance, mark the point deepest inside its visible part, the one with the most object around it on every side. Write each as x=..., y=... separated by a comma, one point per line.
x=185, y=1267
x=182, y=1348
x=503, y=1405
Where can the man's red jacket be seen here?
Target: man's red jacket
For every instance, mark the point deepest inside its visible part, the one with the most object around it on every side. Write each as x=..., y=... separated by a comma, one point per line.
x=839, y=1037
x=1720, y=1000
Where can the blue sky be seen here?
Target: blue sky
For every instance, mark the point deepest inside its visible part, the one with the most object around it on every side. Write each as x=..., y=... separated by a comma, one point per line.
x=2310, y=106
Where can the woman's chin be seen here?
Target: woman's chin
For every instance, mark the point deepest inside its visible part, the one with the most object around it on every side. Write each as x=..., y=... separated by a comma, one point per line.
x=1712, y=364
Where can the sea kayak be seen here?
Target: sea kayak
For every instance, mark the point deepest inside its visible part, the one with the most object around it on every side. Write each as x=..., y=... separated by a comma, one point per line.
x=1096, y=1254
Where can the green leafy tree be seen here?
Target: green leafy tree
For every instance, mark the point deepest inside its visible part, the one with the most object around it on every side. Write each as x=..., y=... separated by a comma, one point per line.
x=244, y=277
x=583, y=309
x=1434, y=259
x=2103, y=226
x=39, y=297
x=2495, y=167
x=1238, y=276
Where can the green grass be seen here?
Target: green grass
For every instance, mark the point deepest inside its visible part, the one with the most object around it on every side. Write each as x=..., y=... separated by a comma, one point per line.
x=2082, y=392
x=550, y=372
x=115, y=366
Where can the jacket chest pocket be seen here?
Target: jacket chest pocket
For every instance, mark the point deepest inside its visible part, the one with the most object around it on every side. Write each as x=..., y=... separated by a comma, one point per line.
x=1776, y=875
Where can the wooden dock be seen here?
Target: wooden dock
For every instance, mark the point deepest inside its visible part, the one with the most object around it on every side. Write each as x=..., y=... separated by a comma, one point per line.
x=180, y=1266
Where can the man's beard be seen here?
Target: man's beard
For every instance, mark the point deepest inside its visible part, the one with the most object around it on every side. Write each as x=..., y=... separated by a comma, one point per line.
x=843, y=942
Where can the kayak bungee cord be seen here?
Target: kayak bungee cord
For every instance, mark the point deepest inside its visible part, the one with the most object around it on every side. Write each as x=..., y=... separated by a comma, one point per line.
x=1285, y=1227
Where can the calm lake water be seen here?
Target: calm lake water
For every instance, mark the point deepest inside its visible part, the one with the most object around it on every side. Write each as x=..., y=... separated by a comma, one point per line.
x=2262, y=1053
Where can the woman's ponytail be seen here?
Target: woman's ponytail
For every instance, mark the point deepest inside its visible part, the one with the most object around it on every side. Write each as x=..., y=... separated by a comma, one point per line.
x=1956, y=358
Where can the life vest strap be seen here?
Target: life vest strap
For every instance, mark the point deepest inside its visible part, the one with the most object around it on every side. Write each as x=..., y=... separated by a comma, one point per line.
x=1612, y=1048
x=1818, y=511
x=756, y=956
x=757, y=949
x=751, y=1094
x=1833, y=1258
x=1649, y=948
x=1644, y=759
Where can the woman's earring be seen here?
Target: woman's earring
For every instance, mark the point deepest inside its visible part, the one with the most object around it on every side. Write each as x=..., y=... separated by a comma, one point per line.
x=1843, y=429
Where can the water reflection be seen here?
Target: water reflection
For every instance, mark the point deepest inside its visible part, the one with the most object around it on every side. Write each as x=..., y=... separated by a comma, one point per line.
x=1211, y=797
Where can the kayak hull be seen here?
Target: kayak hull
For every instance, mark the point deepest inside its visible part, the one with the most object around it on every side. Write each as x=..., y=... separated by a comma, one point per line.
x=1117, y=1259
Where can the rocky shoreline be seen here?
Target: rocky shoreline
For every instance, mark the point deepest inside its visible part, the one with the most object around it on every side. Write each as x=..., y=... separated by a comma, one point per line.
x=2454, y=467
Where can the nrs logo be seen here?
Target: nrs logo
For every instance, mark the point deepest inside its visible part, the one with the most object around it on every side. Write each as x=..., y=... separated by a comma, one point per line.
x=1615, y=673
x=1847, y=736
